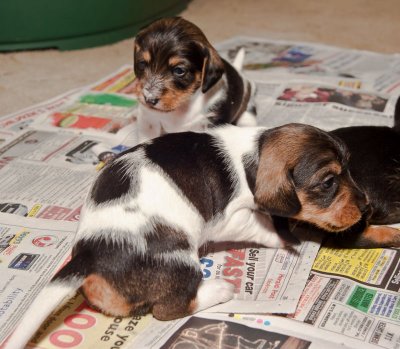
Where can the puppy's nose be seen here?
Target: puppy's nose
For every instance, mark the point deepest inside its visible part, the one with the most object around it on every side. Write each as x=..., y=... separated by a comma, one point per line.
x=151, y=101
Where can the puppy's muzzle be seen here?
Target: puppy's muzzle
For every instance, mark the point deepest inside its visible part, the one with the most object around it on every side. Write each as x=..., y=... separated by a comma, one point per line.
x=151, y=101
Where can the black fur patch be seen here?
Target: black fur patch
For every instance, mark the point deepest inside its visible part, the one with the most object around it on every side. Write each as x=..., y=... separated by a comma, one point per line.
x=229, y=109
x=196, y=165
x=375, y=166
x=163, y=238
x=112, y=183
x=250, y=164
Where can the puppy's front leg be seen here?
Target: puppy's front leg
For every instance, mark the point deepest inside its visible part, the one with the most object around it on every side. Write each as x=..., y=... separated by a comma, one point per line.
x=372, y=236
x=251, y=226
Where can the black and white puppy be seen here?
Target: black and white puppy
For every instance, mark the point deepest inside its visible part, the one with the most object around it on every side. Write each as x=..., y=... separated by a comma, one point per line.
x=184, y=85
x=150, y=209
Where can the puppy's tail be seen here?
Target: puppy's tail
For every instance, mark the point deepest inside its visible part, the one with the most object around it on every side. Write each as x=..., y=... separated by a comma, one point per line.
x=396, y=126
x=239, y=60
x=64, y=284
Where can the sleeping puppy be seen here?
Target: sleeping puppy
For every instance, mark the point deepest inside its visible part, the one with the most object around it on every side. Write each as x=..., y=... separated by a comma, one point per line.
x=149, y=211
x=183, y=84
x=375, y=166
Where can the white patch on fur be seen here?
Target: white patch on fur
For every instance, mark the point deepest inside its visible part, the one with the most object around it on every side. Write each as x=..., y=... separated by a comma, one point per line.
x=213, y=292
x=240, y=221
x=157, y=197
x=180, y=257
x=239, y=60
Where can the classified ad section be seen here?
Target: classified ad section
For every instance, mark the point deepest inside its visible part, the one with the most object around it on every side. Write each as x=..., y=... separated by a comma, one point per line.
x=354, y=294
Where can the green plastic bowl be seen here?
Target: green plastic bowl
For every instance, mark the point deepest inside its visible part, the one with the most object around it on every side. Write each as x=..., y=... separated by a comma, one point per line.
x=75, y=24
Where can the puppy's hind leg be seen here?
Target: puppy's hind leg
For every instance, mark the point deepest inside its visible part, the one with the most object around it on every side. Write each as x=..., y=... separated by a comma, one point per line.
x=213, y=292
x=189, y=295
x=209, y=293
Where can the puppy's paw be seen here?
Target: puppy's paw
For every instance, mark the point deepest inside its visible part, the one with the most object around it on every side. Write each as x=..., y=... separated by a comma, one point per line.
x=224, y=290
x=213, y=292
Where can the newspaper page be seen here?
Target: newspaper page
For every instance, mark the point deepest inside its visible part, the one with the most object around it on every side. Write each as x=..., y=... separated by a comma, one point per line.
x=31, y=251
x=75, y=325
x=266, y=280
x=322, y=105
x=216, y=331
x=22, y=119
x=354, y=294
x=319, y=85
x=283, y=60
x=42, y=190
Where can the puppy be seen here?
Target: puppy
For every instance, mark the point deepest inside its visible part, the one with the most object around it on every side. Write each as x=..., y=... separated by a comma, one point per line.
x=184, y=85
x=149, y=211
x=375, y=166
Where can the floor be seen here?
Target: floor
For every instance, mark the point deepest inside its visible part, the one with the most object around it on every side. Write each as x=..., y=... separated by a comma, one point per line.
x=27, y=78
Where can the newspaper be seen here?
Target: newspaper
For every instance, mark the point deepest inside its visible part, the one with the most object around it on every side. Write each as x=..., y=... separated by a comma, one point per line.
x=354, y=295
x=265, y=280
x=31, y=251
x=212, y=331
x=319, y=85
x=49, y=154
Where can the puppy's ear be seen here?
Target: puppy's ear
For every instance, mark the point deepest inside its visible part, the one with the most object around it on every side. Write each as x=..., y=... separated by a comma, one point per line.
x=274, y=190
x=213, y=68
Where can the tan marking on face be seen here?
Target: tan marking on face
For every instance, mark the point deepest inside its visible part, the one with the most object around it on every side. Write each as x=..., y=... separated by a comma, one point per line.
x=340, y=215
x=100, y=294
x=175, y=60
x=146, y=56
x=173, y=98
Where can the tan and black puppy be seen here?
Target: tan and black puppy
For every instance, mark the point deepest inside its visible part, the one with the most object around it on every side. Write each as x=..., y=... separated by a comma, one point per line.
x=183, y=84
x=149, y=211
x=375, y=166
